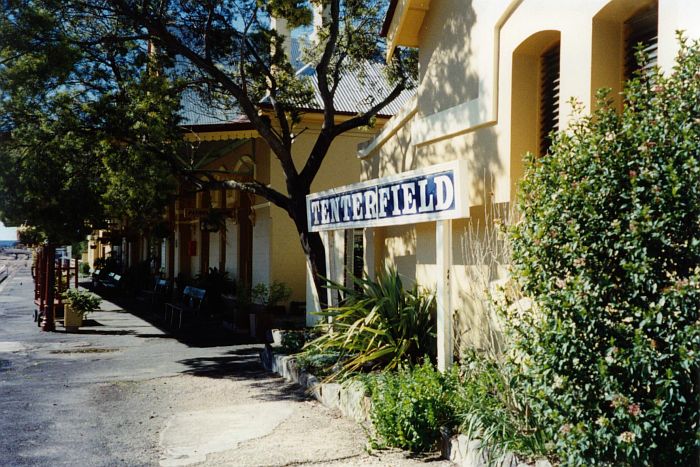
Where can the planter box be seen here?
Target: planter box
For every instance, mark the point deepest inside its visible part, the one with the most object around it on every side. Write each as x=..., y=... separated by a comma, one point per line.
x=71, y=320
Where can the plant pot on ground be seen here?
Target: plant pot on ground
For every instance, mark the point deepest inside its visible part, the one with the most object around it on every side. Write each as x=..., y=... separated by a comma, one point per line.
x=265, y=302
x=78, y=304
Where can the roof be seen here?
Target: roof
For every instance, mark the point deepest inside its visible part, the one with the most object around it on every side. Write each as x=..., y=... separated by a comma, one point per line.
x=196, y=110
x=351, y=96
x=359, y=90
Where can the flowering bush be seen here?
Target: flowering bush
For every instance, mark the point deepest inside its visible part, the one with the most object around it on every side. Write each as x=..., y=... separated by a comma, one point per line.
x=609, y=249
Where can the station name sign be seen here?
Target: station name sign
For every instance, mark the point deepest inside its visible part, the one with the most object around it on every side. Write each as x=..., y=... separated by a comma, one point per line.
x=429, y=194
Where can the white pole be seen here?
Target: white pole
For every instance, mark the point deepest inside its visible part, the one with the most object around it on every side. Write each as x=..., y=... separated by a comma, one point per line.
x=328, y=240
x=443, y=246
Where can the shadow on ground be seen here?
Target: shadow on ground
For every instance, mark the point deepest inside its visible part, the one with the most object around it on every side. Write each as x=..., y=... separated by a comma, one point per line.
x=244, y=364
x=239, y=363
x=198, y=334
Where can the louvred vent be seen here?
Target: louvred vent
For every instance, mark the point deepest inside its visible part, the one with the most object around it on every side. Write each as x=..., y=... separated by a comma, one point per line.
x=549, y=92
x=642, y=29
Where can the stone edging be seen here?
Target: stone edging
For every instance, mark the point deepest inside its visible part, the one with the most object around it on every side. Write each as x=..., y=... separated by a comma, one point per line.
x=349, y=398
x=352, y=402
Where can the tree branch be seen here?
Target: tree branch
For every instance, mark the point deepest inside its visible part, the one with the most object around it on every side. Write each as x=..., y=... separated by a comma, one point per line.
x=322, y=67
x=160, y=32
x=323, y=143
x=257, y=188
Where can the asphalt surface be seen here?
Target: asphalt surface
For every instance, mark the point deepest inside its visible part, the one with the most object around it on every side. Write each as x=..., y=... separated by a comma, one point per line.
x=124, y=392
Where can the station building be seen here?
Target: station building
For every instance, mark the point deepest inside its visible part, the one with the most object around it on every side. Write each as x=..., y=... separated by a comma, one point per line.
x=245, y=235
x=495, y=78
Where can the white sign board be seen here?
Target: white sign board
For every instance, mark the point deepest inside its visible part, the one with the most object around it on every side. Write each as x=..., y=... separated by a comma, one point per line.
x=429, y=194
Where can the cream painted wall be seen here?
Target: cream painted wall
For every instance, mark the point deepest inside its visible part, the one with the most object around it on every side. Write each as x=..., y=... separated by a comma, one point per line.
x=177, y=246
x=277, y=254
x=195, y=260
x=287, y=262
x=466, y=60
x=446, y=57
x=477, y=101
x=341, y=167
x=676, y=15
x=397, y=155
x=214, y=250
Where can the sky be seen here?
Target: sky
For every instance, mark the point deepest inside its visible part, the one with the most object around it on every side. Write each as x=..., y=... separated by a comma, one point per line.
x=7, y=233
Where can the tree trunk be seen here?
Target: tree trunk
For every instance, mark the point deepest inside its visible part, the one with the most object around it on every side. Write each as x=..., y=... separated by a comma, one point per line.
x=312, y=245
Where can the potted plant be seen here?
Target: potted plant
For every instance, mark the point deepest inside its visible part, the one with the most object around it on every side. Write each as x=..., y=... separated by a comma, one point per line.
x=266, y=302
x=78, y=303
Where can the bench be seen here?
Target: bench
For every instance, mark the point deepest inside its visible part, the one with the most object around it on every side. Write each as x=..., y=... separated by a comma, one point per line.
x=95, y=277
x=161, y=293
x=112, y=282
x=192, y=301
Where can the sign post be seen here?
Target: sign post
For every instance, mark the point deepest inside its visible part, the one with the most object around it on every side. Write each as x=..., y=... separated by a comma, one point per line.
x=443, y=253
x=432, y=194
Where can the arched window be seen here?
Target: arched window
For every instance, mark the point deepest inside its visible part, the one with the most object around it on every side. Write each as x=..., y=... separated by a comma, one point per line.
x=642, y=29
x=617, y=30
x=534, y=98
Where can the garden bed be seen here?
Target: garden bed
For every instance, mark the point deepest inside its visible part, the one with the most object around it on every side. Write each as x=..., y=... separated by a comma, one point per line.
x=351, y=400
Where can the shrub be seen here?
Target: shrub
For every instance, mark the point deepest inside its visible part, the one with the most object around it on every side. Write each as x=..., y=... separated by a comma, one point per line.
x=84, y=269
x=379, y=325
x=318, y=363
x=488, y=409
x=30, y=236
x=216, y=283
x=293, y=341
x=82, y=302
x=609, y=249
x=410, y=405
x=277, y=292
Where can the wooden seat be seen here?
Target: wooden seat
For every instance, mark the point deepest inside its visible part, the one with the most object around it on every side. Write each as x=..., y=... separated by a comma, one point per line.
x=191, y=304
x=111, y=283
x=161, y=293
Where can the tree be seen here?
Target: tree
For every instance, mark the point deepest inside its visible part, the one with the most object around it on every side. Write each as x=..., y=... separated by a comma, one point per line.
x=226, y=52
x=76, y=149
x=609, y=249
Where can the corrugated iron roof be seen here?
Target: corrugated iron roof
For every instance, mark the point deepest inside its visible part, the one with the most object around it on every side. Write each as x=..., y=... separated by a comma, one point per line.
x=196, y=110
x=361, y=89
x=357, y=92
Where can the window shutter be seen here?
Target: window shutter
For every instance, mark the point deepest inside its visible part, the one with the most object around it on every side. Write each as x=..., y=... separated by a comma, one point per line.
x=641, y=28
x=549, y=97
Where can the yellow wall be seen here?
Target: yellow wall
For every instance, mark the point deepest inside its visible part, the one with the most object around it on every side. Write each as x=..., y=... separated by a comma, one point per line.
x=341, y=167
x=477, y=101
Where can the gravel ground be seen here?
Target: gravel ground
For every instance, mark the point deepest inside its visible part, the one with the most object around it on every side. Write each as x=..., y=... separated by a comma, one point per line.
x=123, y=392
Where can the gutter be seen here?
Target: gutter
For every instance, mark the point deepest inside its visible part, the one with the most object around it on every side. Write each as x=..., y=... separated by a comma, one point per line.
x=388, y=18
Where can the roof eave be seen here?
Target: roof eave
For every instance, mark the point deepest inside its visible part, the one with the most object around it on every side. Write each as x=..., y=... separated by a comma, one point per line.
x=219, y=131
x=403, y=23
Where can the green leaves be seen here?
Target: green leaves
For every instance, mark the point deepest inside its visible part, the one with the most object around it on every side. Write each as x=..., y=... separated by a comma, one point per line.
x=411, y=404
x=379, y=325
x=82, y=302
x=90, y=128
x=609, y=250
